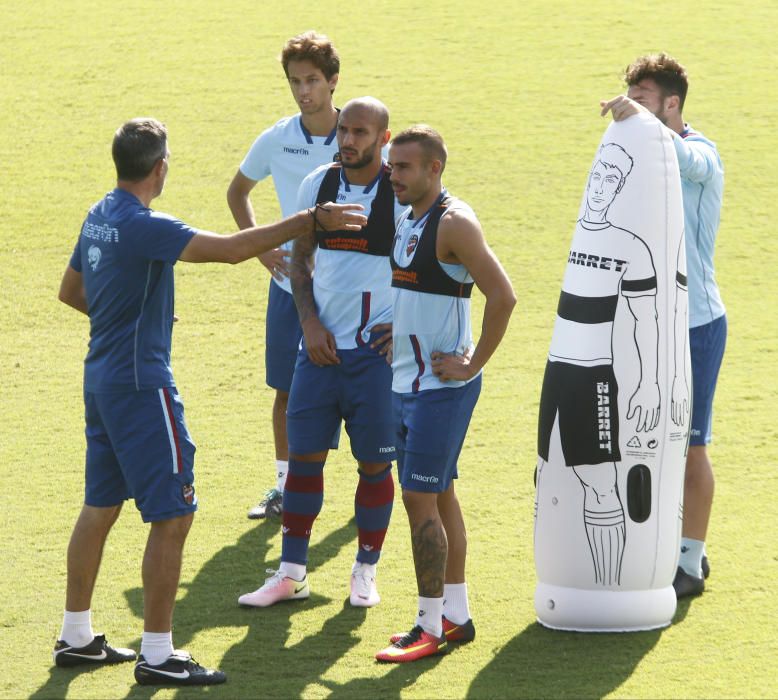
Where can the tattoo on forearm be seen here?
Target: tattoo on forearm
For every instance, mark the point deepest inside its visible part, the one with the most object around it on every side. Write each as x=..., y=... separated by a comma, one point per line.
x=430, y=548
x=300, y=271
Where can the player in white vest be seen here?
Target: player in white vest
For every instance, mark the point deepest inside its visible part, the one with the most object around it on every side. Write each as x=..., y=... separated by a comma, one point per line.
x=658, y=84
x=288, y=151
x=439, y=252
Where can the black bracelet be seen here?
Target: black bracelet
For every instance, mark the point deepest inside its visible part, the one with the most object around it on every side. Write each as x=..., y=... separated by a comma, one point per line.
x=312, y=212
x=316, y=208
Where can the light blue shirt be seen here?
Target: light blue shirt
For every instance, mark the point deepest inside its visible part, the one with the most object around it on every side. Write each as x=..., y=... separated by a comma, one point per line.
x=702, y=183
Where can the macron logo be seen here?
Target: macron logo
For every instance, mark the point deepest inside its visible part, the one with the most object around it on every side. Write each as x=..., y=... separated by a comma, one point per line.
x=425, y=479
x=386, y=449
x=296, y=151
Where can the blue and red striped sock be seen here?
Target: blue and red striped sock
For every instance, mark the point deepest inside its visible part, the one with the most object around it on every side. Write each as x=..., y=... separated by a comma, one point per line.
x=373, y=503
x=303, y=499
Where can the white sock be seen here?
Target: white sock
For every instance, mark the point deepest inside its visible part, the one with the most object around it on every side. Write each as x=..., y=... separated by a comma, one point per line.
x=282, y=469
x=691, y=556
x=430, y=617
x=455, y=605
x=362, y=566
x=155, y=647
x=77, y=628
x=295, y=571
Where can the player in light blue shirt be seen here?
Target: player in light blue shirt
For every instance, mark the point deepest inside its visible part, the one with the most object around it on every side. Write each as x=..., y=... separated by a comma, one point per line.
x=138, y=444
x=658, y=84
x=288, y=151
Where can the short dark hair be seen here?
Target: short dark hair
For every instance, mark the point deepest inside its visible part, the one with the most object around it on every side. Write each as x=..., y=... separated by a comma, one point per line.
x=669, y=75
x=137, y=146
x=314, y=47
x=429, y=139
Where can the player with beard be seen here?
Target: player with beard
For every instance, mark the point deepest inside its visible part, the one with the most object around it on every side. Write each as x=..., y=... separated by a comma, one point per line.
x=341, y=375
x=438, y=254
x=658, y=84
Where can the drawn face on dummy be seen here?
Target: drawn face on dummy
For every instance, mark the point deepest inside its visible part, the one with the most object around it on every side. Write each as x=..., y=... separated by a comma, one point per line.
x=603, y=186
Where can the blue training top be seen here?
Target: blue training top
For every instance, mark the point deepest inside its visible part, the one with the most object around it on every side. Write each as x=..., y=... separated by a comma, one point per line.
x=126, y=254
x=702, y=183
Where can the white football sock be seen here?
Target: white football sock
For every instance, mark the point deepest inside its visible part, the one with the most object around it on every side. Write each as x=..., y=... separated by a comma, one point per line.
x=155, y=647
x=691, y=556
x=295, y=571
x=455, y=604
x=368, y=568
x=282, y=469
x=430, y=617
x=77, y=628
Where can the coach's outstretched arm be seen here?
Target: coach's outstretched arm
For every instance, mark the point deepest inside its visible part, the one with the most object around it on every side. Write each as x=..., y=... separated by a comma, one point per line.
x=461, y=240
x=249, y=243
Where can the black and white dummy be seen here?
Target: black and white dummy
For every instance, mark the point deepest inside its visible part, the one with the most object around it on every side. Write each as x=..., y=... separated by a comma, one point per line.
x=614, y=408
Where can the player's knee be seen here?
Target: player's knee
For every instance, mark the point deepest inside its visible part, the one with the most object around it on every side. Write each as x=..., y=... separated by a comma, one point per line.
x=698, y=466
x=99, y=518
x=312, y=457
x=420, y=505
x=373, y=468
x=175, y=529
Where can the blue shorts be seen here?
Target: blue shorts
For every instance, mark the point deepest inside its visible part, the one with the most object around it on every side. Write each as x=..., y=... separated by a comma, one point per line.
x=430, y=428
x=706, y=346
x=282, y=338
x=357, y=391
x=138, y=446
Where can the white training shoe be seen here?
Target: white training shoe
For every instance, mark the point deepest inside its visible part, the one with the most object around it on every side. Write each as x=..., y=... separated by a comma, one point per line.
x=276, y=588
x=364, y=593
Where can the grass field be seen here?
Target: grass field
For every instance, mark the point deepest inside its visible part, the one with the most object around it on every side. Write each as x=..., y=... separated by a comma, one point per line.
x=514, y=89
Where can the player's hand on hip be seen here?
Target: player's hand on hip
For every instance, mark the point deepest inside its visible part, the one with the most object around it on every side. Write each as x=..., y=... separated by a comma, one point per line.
x=448, y=367
x=320, y=343
x=277, y=262
x=621, y=107
x=384, y=341
x=339, y=217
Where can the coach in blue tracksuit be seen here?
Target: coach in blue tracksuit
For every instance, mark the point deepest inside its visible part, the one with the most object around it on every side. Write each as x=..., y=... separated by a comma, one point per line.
x=658, y=84
x=138, y=445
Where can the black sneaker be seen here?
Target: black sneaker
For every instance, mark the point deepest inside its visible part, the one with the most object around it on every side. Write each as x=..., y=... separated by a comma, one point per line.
x=705, y=567
x=686, y=585
x=271, y=506
x=178, y=669
x=98, y=651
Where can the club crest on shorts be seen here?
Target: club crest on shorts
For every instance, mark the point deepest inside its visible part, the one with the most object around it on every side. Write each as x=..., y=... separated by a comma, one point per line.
x=413, y=241
x=188, y=492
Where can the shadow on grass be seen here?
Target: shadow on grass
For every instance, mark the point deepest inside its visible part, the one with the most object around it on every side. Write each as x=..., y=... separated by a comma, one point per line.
x=540, y=662
x=388, y=686
x=59, y=680
x=261, y=663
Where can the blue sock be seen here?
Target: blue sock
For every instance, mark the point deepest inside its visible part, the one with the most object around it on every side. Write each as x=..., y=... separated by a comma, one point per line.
x=303, y=499
x=373, y=508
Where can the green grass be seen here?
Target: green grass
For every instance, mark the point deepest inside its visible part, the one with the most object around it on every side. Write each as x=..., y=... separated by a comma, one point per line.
x=514, y=88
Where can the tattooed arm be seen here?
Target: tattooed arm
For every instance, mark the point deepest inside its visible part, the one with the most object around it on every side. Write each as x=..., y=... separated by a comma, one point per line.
x=319, y=342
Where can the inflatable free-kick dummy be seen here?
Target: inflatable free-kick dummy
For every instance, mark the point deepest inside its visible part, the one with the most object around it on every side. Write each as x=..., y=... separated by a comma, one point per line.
x=614, y=408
